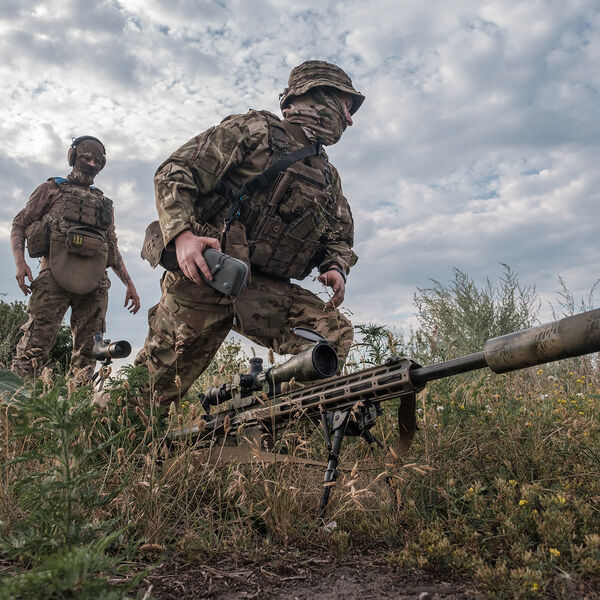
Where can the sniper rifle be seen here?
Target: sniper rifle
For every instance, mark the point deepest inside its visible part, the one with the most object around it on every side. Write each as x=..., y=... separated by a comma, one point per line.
x=257, y=406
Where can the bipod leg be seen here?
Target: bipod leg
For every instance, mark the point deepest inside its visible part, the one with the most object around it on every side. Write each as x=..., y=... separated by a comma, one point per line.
x=334, y=437
x=371, y=439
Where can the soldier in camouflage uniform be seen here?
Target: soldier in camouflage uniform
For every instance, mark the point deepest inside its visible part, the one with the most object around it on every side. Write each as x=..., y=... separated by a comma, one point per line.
x=299, y=222
x=68, y=224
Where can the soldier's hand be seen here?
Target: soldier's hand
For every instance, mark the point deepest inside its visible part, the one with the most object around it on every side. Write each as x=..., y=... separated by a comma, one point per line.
x=335, y=281
x=190, y=249
x=132, y=300
x=23, y=271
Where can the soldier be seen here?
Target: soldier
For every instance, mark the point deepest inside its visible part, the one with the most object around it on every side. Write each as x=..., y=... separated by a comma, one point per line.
x=69, y=224
x=283, y=230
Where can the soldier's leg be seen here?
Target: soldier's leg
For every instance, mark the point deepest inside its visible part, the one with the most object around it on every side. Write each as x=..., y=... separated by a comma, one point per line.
x=269, y=308
x=88, y=316
x=186, y=329
x=46, y=308
x=308, y=310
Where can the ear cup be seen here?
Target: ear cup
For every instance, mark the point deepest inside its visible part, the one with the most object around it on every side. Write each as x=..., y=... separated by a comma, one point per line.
x=72, y=153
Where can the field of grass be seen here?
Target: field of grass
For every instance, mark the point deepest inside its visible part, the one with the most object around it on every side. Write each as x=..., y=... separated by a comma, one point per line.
x=501, y=486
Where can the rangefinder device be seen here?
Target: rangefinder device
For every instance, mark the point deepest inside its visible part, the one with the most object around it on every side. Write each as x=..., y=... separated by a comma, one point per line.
x=105, y=349
x=229, y=274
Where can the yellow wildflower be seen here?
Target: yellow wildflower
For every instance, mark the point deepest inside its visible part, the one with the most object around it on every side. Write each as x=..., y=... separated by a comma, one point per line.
x=523, y=502
x=554, y=552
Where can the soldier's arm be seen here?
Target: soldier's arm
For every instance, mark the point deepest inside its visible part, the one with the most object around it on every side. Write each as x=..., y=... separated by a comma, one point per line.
x=191, y=172
x=194, y=170
x=339, y=256
x=36, y=206
x=132, y=300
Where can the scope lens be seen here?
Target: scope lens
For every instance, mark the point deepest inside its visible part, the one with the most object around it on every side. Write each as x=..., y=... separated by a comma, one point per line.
x=325, y=360
x=120, y=349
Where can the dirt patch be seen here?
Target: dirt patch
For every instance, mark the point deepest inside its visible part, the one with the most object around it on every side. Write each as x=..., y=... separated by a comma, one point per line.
x=294, y=578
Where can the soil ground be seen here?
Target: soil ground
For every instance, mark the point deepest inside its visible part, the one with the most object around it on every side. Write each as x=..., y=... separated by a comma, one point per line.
x=294, y=578
x=288, y=576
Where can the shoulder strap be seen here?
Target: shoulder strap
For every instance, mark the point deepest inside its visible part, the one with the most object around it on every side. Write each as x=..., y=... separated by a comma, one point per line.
x=261, y=181
x=264, y=179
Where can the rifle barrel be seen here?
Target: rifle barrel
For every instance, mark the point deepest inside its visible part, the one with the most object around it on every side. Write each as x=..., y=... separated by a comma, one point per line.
x=464, y=364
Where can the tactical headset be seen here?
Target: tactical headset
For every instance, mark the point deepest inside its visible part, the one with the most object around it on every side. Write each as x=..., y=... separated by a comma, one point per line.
x=72, y=153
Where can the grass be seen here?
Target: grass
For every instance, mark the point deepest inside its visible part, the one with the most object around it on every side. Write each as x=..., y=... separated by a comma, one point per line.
x=502, y=485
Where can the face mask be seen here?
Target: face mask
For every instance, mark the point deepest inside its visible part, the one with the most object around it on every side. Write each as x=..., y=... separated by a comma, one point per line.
x=84, y=173
x=320, y=114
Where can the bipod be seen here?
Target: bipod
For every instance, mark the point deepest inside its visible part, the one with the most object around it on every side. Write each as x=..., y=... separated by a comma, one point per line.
x=356, y=421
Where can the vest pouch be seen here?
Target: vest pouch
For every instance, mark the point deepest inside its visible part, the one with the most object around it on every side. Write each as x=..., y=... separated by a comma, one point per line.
x=262, y=249
x=38, y=239
x=79, y=209
x=297, y=243
x=235, y=243
x=104, y=214
x=75, y=272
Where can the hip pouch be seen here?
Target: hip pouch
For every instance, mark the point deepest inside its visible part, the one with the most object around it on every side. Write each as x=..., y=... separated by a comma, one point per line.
x=38, y=239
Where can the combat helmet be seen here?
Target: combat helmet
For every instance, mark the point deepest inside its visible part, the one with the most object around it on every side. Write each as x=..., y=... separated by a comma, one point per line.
x=318, y=73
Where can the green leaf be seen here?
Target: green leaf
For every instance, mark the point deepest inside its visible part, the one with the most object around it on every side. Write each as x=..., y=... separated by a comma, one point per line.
x=12, y=386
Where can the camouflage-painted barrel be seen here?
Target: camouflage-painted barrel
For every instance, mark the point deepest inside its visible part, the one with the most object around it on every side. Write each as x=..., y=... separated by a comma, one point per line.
x=565, y=338
x=568, y=337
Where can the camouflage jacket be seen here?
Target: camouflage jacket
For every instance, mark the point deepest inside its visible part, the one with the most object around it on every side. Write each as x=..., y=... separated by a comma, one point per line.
x=308, y=203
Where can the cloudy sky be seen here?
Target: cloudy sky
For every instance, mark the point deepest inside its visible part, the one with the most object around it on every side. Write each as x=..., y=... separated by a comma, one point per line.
x=478, y=143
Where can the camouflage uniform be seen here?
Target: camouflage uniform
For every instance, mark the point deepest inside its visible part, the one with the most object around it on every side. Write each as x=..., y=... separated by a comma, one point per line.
x=49, y=301
x=299, y=222
x=47, y=307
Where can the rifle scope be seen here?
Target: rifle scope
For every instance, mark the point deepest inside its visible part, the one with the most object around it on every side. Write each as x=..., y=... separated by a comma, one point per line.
x=105, y=349
x=317, y=362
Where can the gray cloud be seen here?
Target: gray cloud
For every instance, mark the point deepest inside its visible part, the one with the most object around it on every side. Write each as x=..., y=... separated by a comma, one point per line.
x=478, y=142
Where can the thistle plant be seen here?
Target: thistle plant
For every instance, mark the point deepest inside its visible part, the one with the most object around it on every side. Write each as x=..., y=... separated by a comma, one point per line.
x=62, y=466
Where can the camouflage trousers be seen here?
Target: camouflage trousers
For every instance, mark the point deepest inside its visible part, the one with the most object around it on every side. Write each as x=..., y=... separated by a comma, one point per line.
x=190, y=322
x=47, y=306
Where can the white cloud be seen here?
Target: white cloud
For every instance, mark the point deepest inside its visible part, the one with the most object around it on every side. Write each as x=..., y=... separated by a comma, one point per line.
x=478, y=142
